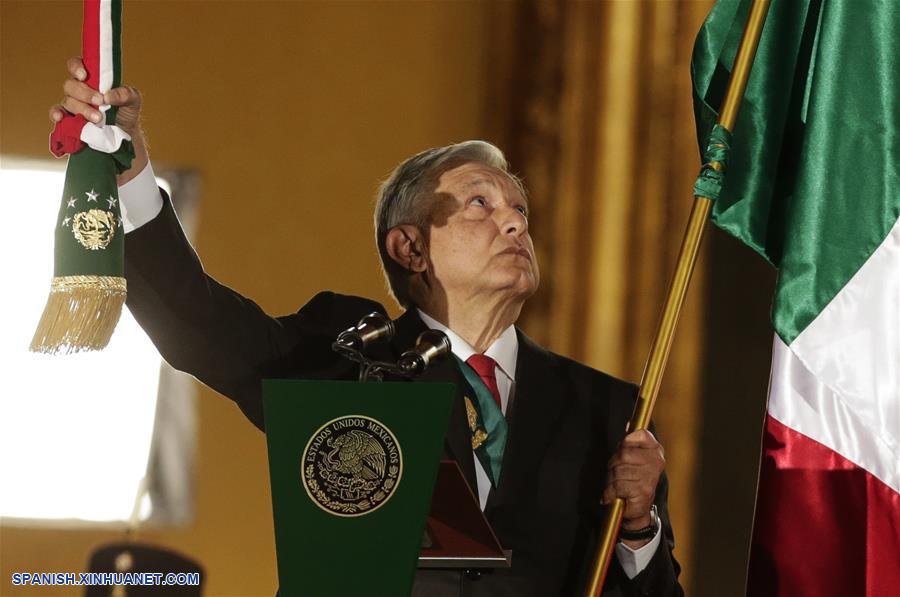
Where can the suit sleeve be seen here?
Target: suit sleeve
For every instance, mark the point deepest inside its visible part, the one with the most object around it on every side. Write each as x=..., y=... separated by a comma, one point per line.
x=660, y=577
x=212, y=332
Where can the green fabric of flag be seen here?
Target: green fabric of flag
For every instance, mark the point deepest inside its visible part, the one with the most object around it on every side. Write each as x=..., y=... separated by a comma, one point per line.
x=89, y=287
x=814, y=173
x=489, y=418
x=89, y=233
x=813, y=185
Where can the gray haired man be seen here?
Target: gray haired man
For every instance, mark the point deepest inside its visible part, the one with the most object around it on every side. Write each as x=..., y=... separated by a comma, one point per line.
x=451, y=226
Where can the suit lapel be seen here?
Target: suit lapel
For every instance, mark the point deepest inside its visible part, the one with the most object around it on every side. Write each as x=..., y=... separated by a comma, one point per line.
x=536, y=407
x=458, y=443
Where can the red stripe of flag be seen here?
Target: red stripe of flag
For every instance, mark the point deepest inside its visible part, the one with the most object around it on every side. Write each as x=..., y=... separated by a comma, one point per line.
x=90, y=42
x=815, y=509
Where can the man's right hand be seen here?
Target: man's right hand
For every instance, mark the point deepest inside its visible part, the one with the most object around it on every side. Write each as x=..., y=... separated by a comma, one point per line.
x=79, y=98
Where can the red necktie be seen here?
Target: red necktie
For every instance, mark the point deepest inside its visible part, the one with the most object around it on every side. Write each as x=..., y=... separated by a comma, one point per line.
x=484, y=366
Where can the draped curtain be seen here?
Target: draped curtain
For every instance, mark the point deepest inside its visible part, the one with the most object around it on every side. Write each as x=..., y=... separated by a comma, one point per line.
x=592, y=103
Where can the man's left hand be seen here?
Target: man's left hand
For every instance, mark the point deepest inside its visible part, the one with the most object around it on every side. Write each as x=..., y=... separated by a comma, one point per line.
x=633, y=474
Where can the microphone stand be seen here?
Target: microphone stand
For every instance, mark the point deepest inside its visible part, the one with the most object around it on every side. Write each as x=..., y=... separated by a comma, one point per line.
x=369, y=369
x=430, y=346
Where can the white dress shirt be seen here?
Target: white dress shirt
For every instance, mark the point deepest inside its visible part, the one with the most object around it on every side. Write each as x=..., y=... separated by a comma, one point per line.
x=141, y=201
x=505, y=350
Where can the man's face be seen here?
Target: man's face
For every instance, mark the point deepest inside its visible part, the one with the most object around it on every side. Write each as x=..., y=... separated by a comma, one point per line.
x=478, y=241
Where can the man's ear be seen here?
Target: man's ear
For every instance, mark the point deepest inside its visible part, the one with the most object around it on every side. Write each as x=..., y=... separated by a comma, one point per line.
x=406, y=246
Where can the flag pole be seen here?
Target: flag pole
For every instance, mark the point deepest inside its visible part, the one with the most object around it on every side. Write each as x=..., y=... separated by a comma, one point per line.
x=687, y=257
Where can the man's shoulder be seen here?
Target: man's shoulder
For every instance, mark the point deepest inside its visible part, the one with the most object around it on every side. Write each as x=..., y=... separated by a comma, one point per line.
x=580, y=376
x=329, y=313
x=327, y=303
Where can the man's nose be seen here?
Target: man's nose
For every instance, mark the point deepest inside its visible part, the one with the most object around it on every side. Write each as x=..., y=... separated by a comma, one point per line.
x=513, y=221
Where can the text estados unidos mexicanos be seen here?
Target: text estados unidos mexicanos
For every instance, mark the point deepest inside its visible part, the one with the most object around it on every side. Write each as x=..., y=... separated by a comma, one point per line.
x=106, y=578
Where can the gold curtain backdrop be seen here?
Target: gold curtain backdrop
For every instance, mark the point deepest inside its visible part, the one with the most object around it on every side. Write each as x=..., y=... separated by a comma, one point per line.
x=591, y=101
x=598, y=121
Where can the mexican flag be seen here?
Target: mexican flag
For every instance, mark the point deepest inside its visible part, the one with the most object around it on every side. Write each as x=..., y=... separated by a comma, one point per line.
x=88, y=287
x=813, y=186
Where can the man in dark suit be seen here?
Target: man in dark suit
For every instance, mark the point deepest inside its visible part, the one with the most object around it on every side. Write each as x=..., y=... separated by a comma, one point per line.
x=452, y=231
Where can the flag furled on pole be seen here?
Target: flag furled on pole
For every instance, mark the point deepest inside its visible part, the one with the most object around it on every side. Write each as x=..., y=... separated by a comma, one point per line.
x=88, y=288
x=813, y=186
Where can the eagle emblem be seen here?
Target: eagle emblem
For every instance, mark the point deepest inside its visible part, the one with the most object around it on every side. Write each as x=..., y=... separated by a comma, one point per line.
x=357, y=454
x=351, y=466
x=479, y=435
x=94, y=229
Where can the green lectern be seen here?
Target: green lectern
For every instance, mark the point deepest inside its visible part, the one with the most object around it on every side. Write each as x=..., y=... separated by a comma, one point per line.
x=352, y=468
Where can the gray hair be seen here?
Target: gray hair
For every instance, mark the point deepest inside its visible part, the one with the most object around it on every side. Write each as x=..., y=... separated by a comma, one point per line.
x=398, y=199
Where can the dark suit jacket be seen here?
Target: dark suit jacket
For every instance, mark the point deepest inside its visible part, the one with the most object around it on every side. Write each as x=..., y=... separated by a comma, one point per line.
x=565, y=419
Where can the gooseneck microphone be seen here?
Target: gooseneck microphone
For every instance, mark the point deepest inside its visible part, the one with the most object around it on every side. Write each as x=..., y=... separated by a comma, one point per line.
x=431, y=346
x=372, y=328
x=352, y=343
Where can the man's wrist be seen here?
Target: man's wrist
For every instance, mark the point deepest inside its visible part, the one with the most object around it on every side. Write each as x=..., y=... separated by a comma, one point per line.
x=141, y=158
x=140, y=199
x=637, y=532
x=636, y=524
x=635, y=556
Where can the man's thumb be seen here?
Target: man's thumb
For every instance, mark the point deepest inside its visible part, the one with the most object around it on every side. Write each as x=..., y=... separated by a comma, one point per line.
x=121, y=96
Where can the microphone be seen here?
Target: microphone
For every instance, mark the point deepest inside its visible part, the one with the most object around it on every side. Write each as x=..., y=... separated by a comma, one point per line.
x=431, y=346
x=372, y=328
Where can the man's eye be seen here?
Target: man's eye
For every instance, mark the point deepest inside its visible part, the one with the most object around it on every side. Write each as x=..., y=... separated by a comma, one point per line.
x=480, y=201
x=523, y=210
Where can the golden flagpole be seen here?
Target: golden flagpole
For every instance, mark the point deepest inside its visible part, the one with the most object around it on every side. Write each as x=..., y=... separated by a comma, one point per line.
x=687, y=257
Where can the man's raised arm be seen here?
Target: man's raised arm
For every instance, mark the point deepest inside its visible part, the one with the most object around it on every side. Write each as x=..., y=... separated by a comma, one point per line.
x=198, y=325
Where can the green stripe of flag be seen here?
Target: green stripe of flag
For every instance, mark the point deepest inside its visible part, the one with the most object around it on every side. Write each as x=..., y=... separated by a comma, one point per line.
x=116, y=18
x=813, y=183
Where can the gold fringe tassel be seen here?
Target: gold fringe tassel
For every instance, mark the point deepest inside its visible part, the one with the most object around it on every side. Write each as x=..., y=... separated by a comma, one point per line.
x=81, y=314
